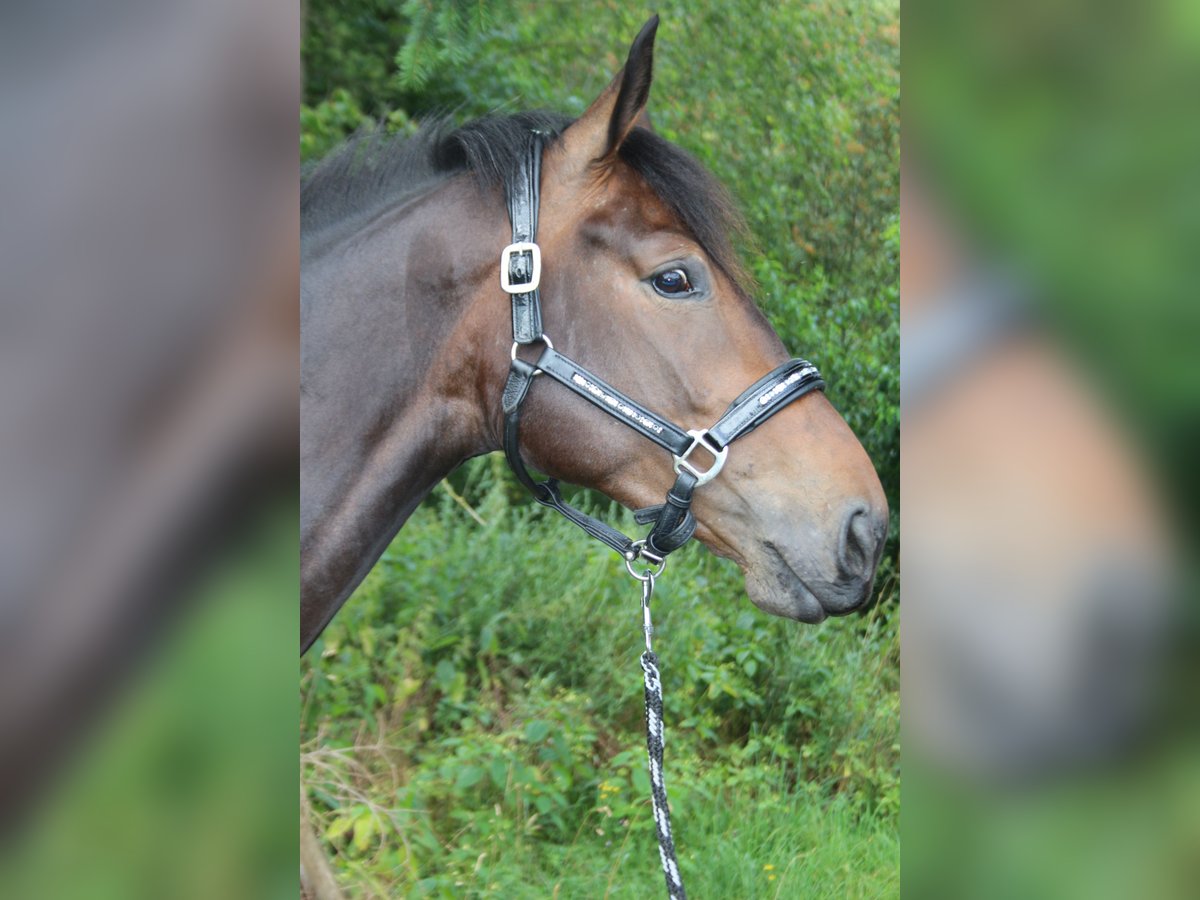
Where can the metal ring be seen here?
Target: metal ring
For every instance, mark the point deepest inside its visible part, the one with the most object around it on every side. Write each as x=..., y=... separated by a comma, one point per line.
x=631, y=555
x=512, y=354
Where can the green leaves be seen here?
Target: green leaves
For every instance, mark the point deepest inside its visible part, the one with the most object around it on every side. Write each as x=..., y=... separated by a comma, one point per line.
x=440, y=36
x=468, y=777
x=536, y=731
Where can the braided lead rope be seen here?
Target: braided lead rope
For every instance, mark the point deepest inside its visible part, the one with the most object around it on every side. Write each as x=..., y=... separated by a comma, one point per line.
x=654, y=752
x=658, y=790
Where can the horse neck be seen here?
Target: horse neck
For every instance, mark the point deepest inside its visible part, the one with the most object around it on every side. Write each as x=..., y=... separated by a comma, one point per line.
x=397, y=360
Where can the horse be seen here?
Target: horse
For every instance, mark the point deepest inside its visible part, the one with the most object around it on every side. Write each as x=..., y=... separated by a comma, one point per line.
x=405, y=348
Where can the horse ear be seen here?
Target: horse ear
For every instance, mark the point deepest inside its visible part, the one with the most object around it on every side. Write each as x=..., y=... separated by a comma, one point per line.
x=596, y=136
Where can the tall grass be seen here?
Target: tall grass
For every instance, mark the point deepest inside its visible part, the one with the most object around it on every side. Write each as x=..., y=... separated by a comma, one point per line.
x=473, y=721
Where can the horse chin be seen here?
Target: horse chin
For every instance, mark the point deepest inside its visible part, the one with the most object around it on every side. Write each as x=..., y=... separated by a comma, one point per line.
x=776, y=588
x=783, y=595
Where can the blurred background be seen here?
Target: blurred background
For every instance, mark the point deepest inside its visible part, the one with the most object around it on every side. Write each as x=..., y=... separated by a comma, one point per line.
x=1049, y=381
x=472, y=718
x=148, y=462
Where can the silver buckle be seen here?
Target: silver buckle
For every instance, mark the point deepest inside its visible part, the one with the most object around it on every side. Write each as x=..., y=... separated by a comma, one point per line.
x=535, y=279
x=700, y=438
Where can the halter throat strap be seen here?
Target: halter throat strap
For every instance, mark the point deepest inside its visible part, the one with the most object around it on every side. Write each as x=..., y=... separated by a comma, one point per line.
x=673, y=522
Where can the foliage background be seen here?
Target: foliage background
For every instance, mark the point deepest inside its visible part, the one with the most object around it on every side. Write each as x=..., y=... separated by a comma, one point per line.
x=471, y=721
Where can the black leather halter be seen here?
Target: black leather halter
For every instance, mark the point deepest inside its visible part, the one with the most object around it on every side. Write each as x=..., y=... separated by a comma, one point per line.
x=674, y=525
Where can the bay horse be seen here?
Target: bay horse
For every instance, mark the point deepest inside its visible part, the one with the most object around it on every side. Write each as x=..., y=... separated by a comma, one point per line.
x=405, y=348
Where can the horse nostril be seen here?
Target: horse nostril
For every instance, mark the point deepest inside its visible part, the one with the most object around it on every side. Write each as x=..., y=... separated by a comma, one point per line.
x=862, y=535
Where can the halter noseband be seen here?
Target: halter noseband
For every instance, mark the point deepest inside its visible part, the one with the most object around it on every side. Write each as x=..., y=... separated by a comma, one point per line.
x=674, y=524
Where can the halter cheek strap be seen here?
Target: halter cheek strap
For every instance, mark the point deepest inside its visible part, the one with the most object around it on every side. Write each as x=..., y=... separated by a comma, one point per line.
x=673, y=522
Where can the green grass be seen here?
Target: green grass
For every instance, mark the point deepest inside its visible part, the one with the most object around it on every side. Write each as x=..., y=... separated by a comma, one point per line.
x=738, y=843
x=472, y=722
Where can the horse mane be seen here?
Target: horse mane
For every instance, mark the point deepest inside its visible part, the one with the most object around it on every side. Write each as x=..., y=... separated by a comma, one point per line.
x=374, y=170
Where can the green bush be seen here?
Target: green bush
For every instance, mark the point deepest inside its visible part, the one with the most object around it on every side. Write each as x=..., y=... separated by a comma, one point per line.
x=480, y=696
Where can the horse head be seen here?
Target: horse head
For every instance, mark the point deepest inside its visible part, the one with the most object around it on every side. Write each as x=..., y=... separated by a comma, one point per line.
x=641, y=285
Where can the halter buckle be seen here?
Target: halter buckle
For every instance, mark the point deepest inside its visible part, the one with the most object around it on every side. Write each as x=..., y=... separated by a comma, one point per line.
x=701, y=438
x=508, y=257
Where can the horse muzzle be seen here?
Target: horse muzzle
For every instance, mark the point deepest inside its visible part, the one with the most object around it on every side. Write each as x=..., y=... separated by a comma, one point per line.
x=802, y=577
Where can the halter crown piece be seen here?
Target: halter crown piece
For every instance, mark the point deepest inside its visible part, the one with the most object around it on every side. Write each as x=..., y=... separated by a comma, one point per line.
x=673, y=522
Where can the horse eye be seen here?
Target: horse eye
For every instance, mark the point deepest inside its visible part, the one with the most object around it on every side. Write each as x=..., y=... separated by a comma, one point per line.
x=672, y=282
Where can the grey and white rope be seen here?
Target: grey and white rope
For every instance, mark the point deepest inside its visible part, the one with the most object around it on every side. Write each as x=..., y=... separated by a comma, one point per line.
x=658, y=790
